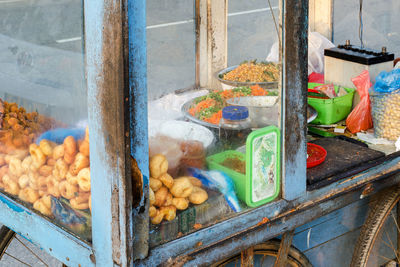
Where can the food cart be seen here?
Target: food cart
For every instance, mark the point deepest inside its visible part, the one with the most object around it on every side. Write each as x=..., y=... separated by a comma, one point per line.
x=181, y=176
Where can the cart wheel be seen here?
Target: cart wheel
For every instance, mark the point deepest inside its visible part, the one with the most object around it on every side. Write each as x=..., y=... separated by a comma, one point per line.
x=265, y=255
x=7, y=238
x=378, y=243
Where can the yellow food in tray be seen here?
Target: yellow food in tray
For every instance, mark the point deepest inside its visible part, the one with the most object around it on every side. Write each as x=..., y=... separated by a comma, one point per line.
x=253, y=72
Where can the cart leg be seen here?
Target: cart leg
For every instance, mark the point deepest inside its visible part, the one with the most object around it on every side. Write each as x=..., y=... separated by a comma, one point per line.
x=398, y=232
x=246, y=257
x=283, y=252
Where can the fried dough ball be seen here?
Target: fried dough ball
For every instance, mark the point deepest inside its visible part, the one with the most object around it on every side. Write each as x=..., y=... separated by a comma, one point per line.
x=33, y=177
x=23, y=181
x=70, y=146
x=168, y=212
x=42, y=184
x=195, y=181
x=161, y=196
x=84, y=179
x=28, y=195
x=11, y=186
x=46, y=147
x=198, y=195
x=84, y=148
x=51, y=162
x=155, y=184
x=15, y=167
x=71, y=178
x=152, y=211
x=45, y=170
x=158, y=165
x=152, y=197
x=3, y=171
x=68, y=158
x=53, y=186
x=41, y=205
x=182, y=187
x=180, y=203
x=58, y=152
x=26, y=163
x=80, y=202
x=38, y=158
x=157, y=219
x=2, y=159
x=167, y=180
x=60, y=170
x=80, y=162
x=68, y=190
x=168, y=200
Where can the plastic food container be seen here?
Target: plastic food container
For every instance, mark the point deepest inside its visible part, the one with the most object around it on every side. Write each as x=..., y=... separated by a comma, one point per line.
x=386, y=114
x=331, y=110
x=260, y=183
x=315, y=155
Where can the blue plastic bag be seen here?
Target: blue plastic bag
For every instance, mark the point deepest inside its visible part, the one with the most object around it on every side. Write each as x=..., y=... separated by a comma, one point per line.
x=387, y=82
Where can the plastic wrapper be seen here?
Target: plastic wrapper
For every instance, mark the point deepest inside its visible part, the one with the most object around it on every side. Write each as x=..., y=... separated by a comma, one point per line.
x=170, y=148
x=387, y=82
x=327, y=89
x=360, y=118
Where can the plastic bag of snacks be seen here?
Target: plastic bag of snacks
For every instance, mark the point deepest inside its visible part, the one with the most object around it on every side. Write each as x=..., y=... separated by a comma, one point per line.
x=385, y=98
x=360, y=118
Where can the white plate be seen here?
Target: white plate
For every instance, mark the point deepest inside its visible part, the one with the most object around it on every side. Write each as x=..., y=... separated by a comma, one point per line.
x=182, y=130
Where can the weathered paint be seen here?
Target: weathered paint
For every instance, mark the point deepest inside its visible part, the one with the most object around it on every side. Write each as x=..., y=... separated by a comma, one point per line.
x=138, y=121
x=104, y=24
x=294, y=100
x=326, y=199
x=45, y=234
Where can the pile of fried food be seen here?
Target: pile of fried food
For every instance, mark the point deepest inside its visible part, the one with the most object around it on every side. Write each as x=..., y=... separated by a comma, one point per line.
x=168, y=194
x=49, y=169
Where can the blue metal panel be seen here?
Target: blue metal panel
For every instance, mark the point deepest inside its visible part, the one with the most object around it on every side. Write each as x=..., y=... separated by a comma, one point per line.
x=44, y=234
x=138, y=119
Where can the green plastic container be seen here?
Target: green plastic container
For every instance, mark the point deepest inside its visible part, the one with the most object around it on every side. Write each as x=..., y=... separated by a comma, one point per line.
x=331, y=110
x=261, y=183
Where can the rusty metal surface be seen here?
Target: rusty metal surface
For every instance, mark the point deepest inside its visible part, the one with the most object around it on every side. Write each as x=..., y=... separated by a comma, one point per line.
x=284, y=248
x=295, y=51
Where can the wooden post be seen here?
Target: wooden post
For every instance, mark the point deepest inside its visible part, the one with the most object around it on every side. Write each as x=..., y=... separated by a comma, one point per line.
x=321, y=17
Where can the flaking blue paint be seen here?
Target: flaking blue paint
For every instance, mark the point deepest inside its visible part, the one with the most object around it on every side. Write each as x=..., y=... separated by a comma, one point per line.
x=12, y=205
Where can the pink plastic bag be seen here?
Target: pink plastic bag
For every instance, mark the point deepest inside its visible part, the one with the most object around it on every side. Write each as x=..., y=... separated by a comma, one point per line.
x=360, y=118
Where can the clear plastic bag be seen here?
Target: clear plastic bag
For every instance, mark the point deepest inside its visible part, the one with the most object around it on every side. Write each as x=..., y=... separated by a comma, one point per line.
x=360, y=118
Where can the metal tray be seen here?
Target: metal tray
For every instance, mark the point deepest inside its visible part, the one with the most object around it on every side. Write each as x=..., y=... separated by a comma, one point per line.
x=265, y=85
x=311, y=115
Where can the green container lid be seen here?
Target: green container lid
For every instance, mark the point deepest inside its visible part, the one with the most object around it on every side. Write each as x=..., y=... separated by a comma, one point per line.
x=261, y=183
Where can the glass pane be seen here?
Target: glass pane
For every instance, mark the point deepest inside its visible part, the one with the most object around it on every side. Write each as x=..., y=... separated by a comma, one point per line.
x=44, y=152
x=200, y=173
x=170, y=45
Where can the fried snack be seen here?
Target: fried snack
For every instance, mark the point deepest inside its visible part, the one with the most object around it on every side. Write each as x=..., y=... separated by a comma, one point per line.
x=195, y=181
x=70, y=146
x=90, y=202
x=20, y=153
x=46, y=147
x=28, y=195
x=38, y=158
x=84, y=179
x=68, y=190
x=182, y=187
x=10, y=185
x=3, y=171
x=180, y=203
x=26, y=163
x=155, y=184
x=80, y=202
x=42, y=206
x=33, y=177
x=84, y=148
x=71, y=178
x=198, y=195
x=42, y=185
x=51, y=161
x=168, y=200
x=160, y=196
x=69, y=159
x=152, y=197
x=80, y=162
x=168, y=212
x=158, y=165
x=167, y=180
x=152, y=211
x=58, y=152
x=60, y=170
x=2, y=159
x=45, y=170
x=15, y=167
x=23, y=181
x=53, y=186
x=157, y=219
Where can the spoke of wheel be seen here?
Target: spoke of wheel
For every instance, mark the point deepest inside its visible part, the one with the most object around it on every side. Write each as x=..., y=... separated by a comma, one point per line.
x=390, y=240
x=11, y=256
x=34, y=254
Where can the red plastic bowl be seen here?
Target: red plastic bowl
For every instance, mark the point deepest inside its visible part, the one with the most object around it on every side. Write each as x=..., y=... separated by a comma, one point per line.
x=316, y=155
